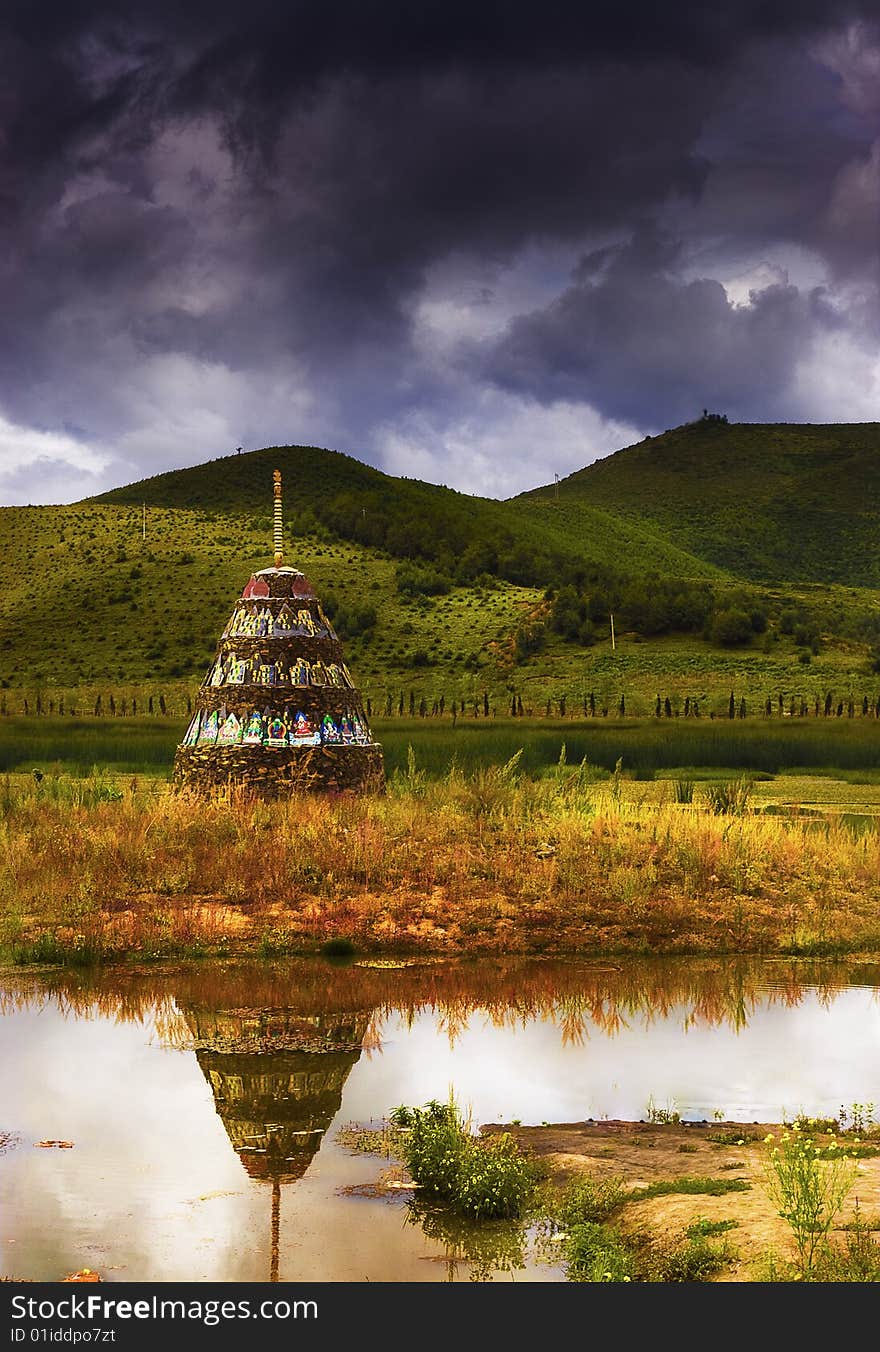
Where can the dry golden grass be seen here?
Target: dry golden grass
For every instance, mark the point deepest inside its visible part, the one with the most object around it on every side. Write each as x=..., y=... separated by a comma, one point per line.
x=490, y=862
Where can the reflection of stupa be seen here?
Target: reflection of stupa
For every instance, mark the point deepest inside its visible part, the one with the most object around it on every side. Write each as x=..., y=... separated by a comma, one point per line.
x=278, y=706
x=277, y=1079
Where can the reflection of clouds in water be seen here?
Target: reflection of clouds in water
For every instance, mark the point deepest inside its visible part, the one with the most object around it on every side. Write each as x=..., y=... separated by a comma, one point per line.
x=147, y=1147
x=813, y=1056
x=153, y=1182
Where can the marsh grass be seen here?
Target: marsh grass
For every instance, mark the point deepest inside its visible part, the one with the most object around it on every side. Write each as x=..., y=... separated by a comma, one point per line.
x=488, y=860
x=645, y=746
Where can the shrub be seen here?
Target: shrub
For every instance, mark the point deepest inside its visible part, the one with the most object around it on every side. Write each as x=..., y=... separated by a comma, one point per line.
x=730, y=628
x=482, y=1177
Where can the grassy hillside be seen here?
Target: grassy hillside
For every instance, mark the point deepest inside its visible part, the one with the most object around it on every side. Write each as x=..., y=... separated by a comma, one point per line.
x=775, y=503
x=327, y=491
x=90, y=607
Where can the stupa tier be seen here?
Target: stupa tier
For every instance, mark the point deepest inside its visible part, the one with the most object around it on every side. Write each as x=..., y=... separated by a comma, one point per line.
x=278, y=708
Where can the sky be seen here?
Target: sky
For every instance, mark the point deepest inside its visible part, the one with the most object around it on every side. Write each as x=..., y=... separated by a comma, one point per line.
x=480, y=244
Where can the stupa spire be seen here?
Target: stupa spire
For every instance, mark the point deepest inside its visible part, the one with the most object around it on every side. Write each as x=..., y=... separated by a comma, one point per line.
x=279, y=547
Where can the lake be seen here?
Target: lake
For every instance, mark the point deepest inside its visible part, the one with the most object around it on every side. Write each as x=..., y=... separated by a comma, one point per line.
x=202, y=1103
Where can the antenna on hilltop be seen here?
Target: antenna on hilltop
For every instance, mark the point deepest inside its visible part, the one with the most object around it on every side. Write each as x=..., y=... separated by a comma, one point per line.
x=556, y=486
x=277, y=524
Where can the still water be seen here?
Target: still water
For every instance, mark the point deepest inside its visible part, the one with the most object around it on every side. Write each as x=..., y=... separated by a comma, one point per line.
x=203, y=1103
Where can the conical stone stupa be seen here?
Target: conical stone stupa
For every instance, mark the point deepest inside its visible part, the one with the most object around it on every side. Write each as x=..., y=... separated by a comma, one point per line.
x=278, y=708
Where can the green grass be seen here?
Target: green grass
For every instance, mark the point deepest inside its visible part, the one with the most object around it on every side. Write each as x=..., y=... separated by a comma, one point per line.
x=711, y=1187
x=77, y=746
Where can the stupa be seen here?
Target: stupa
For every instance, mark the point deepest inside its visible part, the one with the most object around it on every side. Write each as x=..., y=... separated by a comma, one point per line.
x=278, y=708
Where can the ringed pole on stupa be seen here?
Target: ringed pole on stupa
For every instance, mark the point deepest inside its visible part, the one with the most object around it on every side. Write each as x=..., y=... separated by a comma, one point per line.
x=277, y=524
x=278, y=709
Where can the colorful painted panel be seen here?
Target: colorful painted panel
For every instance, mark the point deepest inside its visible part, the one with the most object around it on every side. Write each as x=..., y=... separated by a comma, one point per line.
x=302, y=587
x=209, y=729
x=253, y=733
x=318, y=673
x=300, y=671
x=305, y=624
x=283, y=621
x=192, y=732
x=276, y=731
x=304, y=732
x=329, y=730
x=230, y=733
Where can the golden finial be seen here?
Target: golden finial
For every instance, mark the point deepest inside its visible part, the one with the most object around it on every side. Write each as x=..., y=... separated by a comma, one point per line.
x=276, y=487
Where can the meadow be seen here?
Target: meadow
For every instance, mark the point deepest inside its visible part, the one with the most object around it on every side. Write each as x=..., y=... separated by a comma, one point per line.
x=488, y=860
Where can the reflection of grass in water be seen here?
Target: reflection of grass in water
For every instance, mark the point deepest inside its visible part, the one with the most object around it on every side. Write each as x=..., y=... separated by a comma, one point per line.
x=486, y=1247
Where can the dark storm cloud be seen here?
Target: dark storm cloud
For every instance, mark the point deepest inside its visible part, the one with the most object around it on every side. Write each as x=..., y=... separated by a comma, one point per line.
x=634, y=338
x=268, y=191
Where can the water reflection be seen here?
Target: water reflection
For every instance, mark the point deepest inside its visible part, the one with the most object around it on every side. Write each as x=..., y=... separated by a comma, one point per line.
x=204, y=1100
x=579, y=997
x=275, y=1099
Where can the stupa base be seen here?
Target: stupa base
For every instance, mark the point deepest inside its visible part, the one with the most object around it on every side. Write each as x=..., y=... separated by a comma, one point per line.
x=271, y=772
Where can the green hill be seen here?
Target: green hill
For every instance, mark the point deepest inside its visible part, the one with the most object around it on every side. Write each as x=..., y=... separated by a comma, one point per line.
x=461, y=534
x=441, y=594
x=781, y=503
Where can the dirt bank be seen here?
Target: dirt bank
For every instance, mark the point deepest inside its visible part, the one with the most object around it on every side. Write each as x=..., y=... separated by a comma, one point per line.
x=642, y=1153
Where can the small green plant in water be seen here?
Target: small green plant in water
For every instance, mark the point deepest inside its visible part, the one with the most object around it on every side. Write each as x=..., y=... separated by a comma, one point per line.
x=598, y=1253
x=668, y=1116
